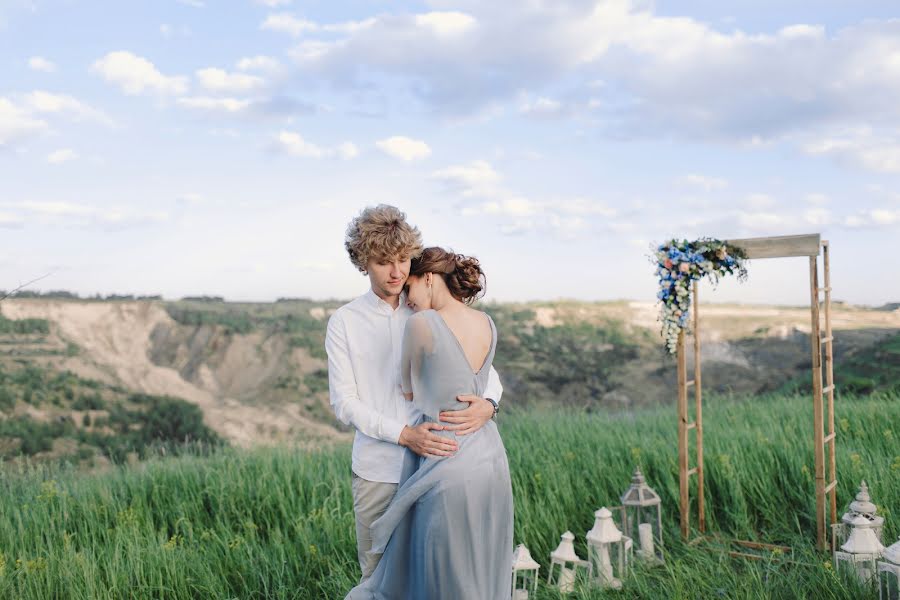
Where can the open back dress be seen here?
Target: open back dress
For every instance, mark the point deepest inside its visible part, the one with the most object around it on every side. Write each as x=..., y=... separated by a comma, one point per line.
x=448, y=532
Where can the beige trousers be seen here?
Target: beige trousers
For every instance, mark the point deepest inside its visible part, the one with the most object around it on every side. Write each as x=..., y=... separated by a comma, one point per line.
x=370, y=500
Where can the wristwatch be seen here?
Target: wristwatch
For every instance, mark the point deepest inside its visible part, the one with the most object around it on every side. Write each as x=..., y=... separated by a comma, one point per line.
x=496, y=408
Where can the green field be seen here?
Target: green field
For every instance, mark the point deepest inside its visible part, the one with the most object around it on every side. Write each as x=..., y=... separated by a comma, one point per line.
x=278, y=523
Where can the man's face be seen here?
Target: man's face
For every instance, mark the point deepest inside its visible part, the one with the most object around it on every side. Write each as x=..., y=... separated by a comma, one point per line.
x=388, y=275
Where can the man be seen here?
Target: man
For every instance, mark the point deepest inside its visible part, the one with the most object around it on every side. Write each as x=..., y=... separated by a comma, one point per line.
x=363, y=342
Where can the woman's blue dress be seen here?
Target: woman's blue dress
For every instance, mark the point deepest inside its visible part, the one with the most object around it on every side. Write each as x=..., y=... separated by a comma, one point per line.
x=448, y=532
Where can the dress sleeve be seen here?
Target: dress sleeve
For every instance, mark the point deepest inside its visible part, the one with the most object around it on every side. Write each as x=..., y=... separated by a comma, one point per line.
x=417, y=341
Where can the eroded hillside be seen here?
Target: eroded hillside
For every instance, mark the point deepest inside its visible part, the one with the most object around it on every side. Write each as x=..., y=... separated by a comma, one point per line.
x=258, y=371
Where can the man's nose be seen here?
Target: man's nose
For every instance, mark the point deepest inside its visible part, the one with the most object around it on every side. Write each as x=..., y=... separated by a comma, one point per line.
x=395, y=270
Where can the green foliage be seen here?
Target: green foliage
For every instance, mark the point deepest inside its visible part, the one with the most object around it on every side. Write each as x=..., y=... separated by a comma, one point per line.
x=876, y=367
x=20, y=326
x=873, y=368
x=568, y=363
x=317, y=381
x=141, y=422
x=290, y=318
x=233, y=321
x=34, y=436
x=92, y=401
x=278, y=523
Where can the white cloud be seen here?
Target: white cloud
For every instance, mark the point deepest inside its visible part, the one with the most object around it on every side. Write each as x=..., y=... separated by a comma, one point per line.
x=136, y=75
x=287, y=23
x=404, y=148
x=874, y=217
x=272, y=107
x=45, y=102
x=759, y=201
x=17, y=125
x=347, y=150
x=60, y=156
x=264, y=64
x=658, y=75
x=479, y=184
x=273, y=3
x=190, y=198
x=543, y=107
x=818, y=216
x=227, y=105
x=170, y=31
x=704, y=182
x=584, y=206
x=817, y=199
x=39, y=63
x=295, y=26
x=446, y=23
x=194, y=3
x=221, y=81
x=9, y=220
x=72, y=214
x=470, y=178
x=862, y=146
x=293, y=144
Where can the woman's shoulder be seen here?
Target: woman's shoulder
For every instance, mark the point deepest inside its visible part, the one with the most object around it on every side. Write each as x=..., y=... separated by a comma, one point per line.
x=480, y=314
x=420, y=319
x=422, y=315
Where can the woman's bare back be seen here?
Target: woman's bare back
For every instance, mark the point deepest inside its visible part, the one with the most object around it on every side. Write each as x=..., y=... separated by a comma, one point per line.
x=472, y=330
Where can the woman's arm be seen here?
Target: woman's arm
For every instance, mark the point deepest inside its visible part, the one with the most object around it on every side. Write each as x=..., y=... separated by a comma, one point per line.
x=417, y=341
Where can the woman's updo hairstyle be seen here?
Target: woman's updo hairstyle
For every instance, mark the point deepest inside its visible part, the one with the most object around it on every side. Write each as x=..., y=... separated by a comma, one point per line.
x=462, y=274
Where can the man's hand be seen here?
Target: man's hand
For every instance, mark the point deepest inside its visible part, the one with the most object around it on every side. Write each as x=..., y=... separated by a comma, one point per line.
x=468, y=420
x=420, y=440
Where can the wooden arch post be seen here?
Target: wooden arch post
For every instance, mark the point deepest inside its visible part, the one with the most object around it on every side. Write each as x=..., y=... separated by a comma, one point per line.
x=770, y=247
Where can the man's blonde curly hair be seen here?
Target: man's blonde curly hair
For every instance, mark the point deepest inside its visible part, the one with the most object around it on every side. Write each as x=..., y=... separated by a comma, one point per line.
x=381, y=233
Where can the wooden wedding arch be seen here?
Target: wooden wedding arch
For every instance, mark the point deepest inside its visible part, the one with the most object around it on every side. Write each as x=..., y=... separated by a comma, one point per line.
x=821, y=343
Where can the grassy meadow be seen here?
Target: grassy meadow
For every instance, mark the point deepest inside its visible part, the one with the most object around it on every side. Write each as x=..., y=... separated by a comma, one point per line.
x=278, y=523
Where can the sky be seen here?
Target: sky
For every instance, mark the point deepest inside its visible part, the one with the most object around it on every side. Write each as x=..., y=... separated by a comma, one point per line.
x=189, y=147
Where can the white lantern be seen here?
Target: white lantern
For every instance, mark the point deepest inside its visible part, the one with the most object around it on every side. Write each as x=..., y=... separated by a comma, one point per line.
x=862, y=506
x=889, y=573
x=524, y=573
x=860, y=551
x=642, y=518
x=568, y=562
x=609, y=552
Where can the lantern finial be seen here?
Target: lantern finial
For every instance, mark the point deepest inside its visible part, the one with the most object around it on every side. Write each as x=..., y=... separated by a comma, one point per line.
x=863, y=503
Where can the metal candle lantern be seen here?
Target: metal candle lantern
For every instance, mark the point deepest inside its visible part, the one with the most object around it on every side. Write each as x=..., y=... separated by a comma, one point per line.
x=524, y=573
x=642, y=518
x=568, y=562
x=862, y=506
x=889, y=573
x=609, y=552
x=859, y=553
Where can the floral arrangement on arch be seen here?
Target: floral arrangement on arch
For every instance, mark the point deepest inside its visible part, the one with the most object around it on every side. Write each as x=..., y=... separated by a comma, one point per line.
x=679, y=263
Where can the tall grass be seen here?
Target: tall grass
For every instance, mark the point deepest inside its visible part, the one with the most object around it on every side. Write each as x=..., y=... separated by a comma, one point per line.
x=278, y=523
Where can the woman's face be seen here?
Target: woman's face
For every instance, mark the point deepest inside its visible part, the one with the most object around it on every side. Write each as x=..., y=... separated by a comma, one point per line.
x=418, y=296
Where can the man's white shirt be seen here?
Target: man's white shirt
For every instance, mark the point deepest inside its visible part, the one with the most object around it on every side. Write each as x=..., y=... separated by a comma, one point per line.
x=363, y=342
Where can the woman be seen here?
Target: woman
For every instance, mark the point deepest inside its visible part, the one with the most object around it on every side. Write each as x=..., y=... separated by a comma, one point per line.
x=448, y=532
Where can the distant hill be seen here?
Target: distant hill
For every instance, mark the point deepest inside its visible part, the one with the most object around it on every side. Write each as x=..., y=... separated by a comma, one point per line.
x=257, y=372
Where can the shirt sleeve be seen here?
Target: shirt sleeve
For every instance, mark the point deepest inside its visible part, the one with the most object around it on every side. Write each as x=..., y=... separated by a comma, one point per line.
x=343, y=391
x=417, y=341
x=493, y=389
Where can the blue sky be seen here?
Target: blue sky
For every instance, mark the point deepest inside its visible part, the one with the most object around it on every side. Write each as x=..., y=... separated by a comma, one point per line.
x=201, y=147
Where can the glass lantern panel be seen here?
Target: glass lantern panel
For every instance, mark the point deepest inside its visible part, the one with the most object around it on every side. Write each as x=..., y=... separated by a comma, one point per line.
x=888, y=583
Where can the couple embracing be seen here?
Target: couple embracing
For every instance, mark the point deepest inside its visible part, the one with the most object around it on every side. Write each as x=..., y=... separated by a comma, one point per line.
x=410, y=366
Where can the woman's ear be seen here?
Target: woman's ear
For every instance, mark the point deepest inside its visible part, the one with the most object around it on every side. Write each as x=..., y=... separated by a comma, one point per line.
x=428, y=279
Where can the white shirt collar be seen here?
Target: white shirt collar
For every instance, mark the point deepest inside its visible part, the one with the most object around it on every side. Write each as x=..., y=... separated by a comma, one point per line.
x=380, y=305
